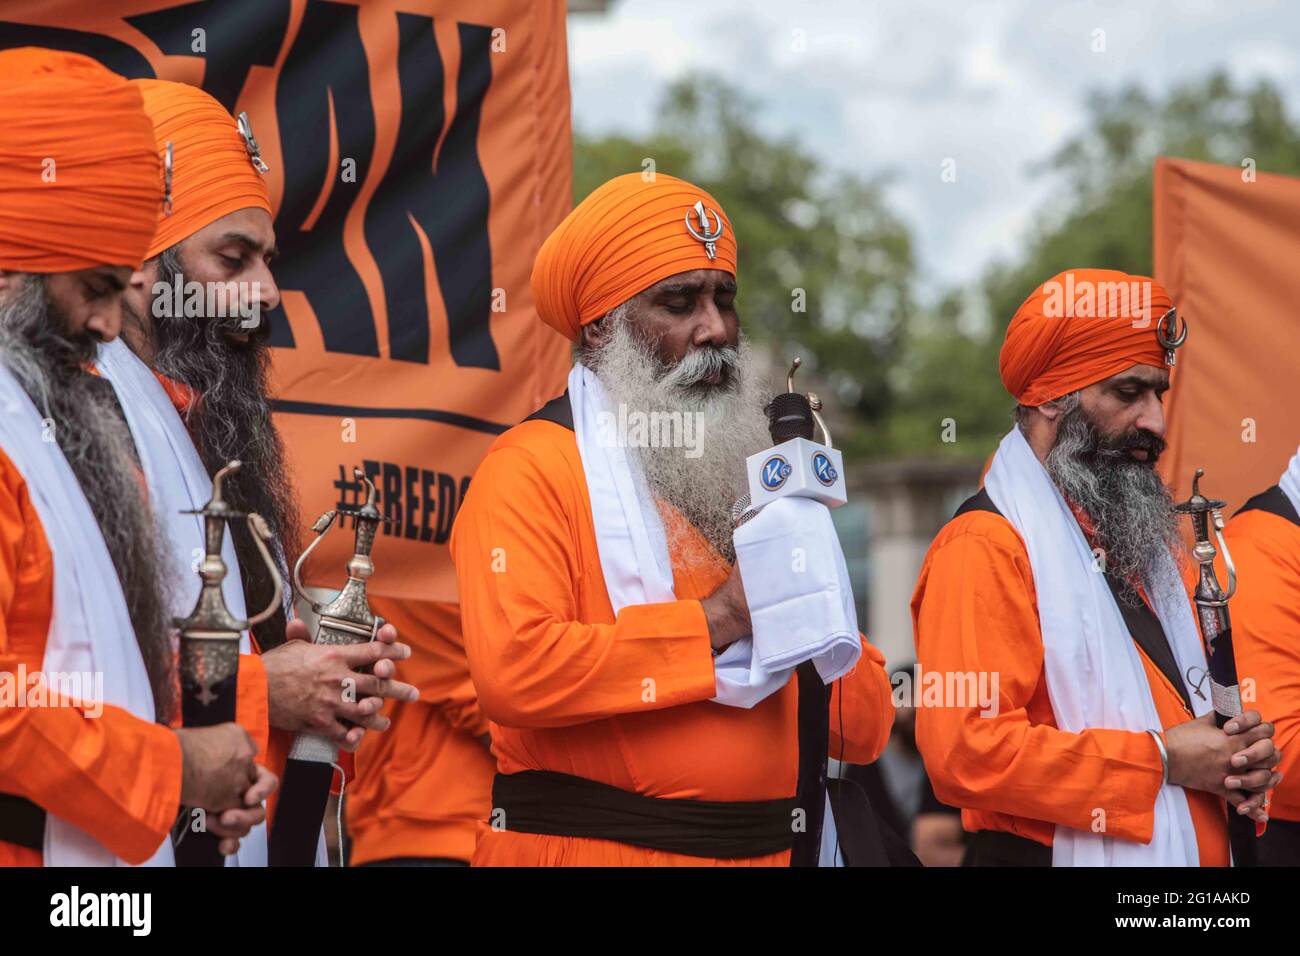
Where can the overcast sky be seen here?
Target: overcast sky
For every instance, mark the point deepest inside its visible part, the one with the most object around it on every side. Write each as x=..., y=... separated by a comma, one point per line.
x=901, y=86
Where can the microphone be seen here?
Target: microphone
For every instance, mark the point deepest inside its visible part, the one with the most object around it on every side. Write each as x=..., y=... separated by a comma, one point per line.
x=795, y=465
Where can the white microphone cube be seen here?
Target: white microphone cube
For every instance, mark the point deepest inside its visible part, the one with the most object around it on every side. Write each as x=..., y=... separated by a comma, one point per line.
x=798, y=467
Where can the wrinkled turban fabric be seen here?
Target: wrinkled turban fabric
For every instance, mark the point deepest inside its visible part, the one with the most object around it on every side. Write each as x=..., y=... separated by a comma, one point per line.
x=1078, y=328
x=212, y=172
x=623, y=238
x=81, y=183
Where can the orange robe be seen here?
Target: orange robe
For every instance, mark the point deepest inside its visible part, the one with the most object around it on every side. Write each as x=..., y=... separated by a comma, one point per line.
x=1266, y=636
x=424, y=784
x=623, y=700
x=975, y=609
x=116, y=777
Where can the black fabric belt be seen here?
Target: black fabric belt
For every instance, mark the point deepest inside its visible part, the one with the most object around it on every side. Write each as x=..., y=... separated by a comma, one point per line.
x=557, y=804
x=21, y=822
x=999, y=848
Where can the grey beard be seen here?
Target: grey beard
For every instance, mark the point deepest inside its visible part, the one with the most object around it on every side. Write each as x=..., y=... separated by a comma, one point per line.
x=729, y=416
x=231, y=419
x=97, y=444
x=1130, y=507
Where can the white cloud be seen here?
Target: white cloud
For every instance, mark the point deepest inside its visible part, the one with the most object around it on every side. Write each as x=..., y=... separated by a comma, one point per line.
x=899, y=86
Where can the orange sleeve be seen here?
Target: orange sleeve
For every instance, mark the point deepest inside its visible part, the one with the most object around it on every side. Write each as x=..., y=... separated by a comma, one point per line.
x=252, y=709
x=975, y=614
x=111, y=774
x=862, y=709
x=534, y=663
x=1266, y=636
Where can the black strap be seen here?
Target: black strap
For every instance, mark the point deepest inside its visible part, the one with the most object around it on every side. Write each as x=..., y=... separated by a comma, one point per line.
x=1280, y=844
x=21, y=822
x=558, y=804
x=1141, y=621
x=814, y=742
x=980, y=501
x=999, y=848
x=1147, y=631
x=558, y=410
x=1274, y=501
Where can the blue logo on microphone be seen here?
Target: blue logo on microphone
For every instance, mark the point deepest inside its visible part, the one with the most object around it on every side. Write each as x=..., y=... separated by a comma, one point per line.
x=823, y=469
x=774, y=472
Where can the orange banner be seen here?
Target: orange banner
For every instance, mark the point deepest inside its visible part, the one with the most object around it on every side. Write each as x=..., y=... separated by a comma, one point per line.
x=1227, y=240
x=419, y=153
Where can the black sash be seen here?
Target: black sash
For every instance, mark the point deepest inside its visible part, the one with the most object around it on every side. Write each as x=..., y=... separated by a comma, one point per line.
x=998, y=848
x=1141, y=621
x=1280, y=844
x=1274, y=501
x=557, y=804
x=21, y=822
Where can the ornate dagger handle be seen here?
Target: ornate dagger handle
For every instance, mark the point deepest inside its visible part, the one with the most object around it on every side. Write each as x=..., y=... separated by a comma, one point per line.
x=347, y=619
x=209, y=647
x=1216, y=629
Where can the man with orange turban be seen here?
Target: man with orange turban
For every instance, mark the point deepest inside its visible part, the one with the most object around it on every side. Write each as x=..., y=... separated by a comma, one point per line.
x=90, y=774
x=192, y=381
x=1059, y=585
x=1264, y=541
x=597, y=583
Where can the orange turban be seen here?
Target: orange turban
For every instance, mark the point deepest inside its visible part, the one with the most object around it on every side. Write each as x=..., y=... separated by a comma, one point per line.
x=212, y=172
x=80, y=181
x=1078, y=328
x=619, y=241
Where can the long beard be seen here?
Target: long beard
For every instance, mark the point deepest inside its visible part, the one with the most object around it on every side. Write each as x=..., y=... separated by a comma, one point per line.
x=1130, y=507
x=702, y=481
x=231, y=419
x=97, y=444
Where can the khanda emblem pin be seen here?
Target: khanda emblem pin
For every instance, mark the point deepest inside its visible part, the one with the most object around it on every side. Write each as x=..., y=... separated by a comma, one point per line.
x=250, y=144
x=705, y=234
x=1170, y=334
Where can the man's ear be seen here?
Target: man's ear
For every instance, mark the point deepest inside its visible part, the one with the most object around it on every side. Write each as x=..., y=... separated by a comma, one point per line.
x=1049, y=410
x=5, y=281
x=594, y=334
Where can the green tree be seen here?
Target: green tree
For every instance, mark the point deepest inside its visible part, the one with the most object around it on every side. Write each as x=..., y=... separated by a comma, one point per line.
x=1102, y=219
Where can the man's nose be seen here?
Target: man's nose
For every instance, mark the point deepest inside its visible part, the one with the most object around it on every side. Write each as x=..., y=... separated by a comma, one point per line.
x=711, y=327
x=1152, y=417
x=267, y=292
x=105, y=320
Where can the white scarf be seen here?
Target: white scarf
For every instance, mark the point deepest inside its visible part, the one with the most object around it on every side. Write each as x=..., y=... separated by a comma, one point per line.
x=1095, y=676
x=177, y=482
x=1290, y=481
x=90, y=627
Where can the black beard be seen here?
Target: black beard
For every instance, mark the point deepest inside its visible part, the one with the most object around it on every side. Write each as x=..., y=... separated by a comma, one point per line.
x=1130, y=507
x=231, y=419
x=50, y=364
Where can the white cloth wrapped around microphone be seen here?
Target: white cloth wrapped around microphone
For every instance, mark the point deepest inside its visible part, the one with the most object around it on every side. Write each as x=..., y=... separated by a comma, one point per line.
x=797, y=587
x=800, y=602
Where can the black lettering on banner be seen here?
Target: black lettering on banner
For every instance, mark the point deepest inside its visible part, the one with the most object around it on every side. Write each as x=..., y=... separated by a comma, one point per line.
x=448, y=203
x=409, y=529
x=404, y=492
x=239, y=37
x=324, y=75
x=427, y=479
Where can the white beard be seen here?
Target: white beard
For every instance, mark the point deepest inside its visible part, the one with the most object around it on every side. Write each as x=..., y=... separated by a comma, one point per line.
x=701, y=481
